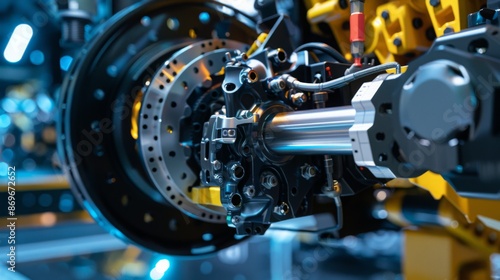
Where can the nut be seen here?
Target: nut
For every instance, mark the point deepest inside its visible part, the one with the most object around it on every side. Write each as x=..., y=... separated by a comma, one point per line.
x=282, y=209
x=268, y=180
x=249, y=191
x=308, y=171
x=299, y=98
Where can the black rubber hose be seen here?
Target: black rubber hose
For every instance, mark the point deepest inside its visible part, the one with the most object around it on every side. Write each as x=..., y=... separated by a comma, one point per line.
x=326, y=49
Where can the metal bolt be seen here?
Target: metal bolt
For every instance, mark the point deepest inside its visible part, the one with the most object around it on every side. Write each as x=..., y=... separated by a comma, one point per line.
x=218, y=179
x=492, y=237
x=435, y=3
x=282, y=209
x=299, y=98
x=269, y=180
x=397, y=42
x=448, y=30
x=308, y=171
x=246, y=114
x=249, y=191
x=479, y=229
x=417, y=23
x=217, y=165
x=385, y=14
x=236, y=220
x=277, y=85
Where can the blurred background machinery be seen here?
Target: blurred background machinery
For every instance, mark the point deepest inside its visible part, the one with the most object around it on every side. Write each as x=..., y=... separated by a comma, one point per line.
x=140, y=154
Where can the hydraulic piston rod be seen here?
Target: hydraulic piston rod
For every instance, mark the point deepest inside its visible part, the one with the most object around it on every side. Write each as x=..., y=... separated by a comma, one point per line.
x=311, y=132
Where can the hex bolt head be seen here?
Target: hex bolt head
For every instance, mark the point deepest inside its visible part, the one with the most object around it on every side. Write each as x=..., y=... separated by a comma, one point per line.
x=249, y=191
x=385, y=14
x=217, y=165
x=268, y=180
x=282, y=209
x=397, y=42
x=308, y=171
x=435, y=3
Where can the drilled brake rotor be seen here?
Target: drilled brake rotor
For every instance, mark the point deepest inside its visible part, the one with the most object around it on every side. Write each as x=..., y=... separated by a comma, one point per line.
x=109, y=170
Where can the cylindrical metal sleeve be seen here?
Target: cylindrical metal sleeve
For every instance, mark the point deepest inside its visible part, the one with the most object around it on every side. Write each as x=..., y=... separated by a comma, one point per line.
x=311, y=132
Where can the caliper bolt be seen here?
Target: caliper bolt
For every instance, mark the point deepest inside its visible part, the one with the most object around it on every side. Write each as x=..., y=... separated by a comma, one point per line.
x=269, y=180
x=282, y=209
x=217, y=165
x=249, y=191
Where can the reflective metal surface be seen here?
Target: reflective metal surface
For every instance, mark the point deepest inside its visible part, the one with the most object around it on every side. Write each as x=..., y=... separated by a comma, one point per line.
x=322, y=131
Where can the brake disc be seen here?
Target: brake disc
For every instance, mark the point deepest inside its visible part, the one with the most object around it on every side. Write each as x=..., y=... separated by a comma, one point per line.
x=110, y=171
x=166, y=116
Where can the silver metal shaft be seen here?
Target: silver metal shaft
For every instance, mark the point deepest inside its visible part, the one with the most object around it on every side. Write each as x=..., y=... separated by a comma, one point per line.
x=311, y=132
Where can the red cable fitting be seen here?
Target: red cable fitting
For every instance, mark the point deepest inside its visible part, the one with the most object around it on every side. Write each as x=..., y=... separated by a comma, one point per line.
x=357, y=22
